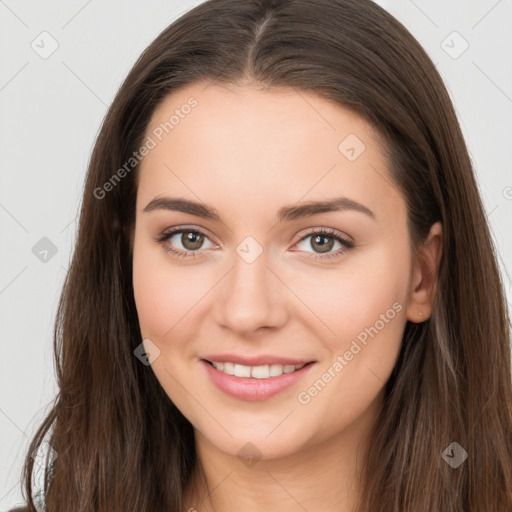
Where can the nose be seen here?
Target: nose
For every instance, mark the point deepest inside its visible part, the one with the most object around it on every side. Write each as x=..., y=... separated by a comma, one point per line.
x=251, y=297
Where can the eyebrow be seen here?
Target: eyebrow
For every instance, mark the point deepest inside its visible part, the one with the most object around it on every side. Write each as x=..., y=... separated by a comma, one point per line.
x=286, y=213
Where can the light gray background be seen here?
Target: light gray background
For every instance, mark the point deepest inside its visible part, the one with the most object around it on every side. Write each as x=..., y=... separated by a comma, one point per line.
x=51, y=110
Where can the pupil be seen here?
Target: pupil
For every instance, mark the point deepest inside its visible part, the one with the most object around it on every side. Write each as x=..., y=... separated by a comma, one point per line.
x=326, y=247
x=195, y=239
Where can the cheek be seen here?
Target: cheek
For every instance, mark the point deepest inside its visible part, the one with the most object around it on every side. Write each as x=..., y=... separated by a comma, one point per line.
x=351, y=297
x=158, y=291
x=168, y=298
x=364, y=309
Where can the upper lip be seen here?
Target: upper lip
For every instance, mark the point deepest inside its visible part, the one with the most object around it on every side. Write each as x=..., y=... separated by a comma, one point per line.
x=261, y=360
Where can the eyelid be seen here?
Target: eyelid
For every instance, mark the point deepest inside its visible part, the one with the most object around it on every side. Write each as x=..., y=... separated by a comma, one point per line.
x=346, y=241
x=169, y=233
x=300, y=236
x=327, y=231
x=164, y=235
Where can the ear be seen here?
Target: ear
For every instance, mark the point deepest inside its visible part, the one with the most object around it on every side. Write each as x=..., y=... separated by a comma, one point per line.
x=424, y=276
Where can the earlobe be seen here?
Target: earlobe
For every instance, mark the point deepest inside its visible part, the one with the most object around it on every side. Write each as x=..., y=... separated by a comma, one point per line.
x=424, y=276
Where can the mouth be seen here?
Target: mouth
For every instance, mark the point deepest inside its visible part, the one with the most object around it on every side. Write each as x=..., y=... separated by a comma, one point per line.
x=254, y=383
x=266, y=371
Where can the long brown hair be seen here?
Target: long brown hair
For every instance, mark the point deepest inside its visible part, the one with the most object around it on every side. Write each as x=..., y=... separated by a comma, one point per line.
x=122, y=445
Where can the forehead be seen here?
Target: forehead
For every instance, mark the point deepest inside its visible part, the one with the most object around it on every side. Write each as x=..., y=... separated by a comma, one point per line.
x=245, y=144
x=230, y=113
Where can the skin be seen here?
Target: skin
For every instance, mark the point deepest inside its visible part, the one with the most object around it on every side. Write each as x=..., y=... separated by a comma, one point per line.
x=249, y=152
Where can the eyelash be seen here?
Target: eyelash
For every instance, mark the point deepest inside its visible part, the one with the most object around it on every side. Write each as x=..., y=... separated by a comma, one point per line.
x=328, y=232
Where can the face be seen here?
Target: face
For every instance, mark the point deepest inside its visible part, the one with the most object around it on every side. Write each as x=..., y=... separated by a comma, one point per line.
x=249, y=271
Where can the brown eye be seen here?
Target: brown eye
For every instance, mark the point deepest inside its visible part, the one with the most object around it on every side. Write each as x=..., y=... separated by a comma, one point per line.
x=192, y=240
x=322, y=243
x=183, y=242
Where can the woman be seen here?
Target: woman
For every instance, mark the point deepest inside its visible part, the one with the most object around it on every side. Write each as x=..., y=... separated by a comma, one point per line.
x=284, y=294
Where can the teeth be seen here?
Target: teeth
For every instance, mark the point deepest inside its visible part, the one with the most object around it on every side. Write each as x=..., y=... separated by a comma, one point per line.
x=242, y=371
x=256, y=372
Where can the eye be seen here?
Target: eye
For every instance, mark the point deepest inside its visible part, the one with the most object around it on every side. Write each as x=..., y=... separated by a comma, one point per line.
x=191, y=241
x=323, y=240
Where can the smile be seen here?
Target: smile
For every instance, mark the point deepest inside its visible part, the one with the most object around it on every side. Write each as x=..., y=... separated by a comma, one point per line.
x=255, y=372
x=254, y=383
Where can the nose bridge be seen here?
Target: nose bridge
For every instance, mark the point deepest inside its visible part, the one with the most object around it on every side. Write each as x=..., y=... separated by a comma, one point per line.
x=252, y=295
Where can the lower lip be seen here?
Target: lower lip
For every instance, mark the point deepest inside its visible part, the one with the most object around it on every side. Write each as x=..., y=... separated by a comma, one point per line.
x=247, y=388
